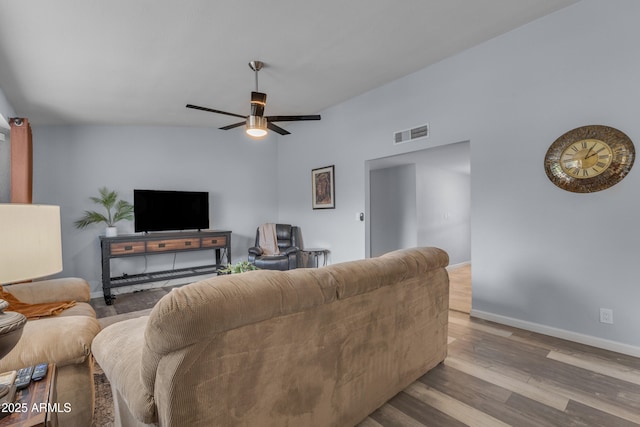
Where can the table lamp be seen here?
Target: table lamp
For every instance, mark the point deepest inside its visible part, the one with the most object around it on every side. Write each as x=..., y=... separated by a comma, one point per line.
x=30, y=248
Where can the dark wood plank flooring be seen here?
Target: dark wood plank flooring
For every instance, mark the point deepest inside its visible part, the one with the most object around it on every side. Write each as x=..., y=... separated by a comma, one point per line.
x=496, y=375
x=130, y=302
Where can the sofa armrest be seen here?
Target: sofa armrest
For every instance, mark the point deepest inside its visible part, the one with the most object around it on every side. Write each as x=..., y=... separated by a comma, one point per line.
x=53, y=290
x=118, y=351
x=60, y=340
x=291, y=250
x=255, y=251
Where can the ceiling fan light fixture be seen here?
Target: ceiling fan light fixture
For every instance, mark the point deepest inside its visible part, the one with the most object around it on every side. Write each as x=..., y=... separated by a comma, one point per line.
x=256, y=126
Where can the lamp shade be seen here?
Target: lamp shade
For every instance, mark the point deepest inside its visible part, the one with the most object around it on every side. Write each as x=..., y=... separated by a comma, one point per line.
x=30, y=242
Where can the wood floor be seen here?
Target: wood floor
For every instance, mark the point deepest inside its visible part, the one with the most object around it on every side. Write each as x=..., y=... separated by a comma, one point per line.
x=460, y=288
x=497, y=375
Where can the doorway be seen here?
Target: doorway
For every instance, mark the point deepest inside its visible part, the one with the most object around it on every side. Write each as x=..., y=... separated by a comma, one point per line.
x=423, y=198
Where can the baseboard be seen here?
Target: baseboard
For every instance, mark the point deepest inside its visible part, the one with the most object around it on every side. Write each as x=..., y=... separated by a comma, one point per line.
x=96, y=294
x=618, y=347
x=460, y=264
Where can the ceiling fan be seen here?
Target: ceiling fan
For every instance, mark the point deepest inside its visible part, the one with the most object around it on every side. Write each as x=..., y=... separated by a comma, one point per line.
x=257, y=124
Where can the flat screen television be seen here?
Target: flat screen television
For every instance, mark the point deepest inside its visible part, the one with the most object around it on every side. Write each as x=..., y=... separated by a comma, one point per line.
x=157, y=210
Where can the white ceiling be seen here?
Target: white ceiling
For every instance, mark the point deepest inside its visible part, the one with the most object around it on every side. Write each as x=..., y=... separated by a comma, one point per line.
x=141, y=61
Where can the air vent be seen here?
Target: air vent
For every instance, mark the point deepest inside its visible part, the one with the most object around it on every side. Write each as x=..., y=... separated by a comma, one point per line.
x=411, y=134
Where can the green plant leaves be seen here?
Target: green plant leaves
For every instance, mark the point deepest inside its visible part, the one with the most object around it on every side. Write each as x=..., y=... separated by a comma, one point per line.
x=239, y=267
x=108, y=199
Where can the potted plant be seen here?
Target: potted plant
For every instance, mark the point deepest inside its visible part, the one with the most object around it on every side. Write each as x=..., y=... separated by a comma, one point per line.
x=117, y=210
x=239, y=267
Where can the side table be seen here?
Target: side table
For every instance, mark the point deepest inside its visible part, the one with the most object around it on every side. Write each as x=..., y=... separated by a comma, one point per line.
x=315, y=253
x=35, y=406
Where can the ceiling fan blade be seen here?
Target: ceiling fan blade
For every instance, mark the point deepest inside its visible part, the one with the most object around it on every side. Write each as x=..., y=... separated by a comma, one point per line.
x=235, y=125
x=277, y=129
x=196, y=107
x=292, y=118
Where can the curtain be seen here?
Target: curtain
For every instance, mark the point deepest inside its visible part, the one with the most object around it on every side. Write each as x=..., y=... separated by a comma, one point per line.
x=21, y=161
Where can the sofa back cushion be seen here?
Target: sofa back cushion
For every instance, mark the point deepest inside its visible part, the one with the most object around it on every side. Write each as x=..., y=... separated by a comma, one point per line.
x=198, y=312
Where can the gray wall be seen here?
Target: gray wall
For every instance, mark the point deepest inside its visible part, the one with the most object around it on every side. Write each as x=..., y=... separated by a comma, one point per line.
x=511, y=98
x=5, y=152
x=393, y=211
x=5, y=107
x=72, y=162
x=444, y=216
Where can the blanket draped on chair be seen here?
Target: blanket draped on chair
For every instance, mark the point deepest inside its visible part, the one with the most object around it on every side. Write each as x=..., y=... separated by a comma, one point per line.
x=34, y=311
x=269, y=239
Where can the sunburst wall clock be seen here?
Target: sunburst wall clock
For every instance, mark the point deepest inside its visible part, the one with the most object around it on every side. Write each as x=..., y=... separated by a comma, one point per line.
x=589, y=159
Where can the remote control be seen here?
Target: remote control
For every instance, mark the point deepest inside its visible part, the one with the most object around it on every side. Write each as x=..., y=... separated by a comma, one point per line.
x=23, y=378
x=39, y=372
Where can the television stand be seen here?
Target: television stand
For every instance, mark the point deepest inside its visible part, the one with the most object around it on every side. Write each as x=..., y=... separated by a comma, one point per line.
x=131, y=245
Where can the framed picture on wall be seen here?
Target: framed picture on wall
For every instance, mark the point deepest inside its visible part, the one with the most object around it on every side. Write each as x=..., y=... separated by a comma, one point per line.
x=323, y=188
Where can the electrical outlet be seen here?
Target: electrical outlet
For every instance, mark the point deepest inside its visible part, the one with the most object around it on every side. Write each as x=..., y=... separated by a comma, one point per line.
x=606, y=316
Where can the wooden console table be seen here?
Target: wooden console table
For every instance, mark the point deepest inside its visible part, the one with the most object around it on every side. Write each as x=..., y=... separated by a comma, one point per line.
x=161, y=243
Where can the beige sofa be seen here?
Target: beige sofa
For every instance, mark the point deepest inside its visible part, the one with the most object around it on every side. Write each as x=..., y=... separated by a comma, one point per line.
x=306, y=347
x=64, y=339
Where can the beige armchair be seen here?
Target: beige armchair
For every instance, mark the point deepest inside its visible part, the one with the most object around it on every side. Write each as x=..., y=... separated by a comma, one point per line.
x=64, y=339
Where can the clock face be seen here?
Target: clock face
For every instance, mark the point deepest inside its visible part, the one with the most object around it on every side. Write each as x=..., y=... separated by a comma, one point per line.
x=586, y=159
x=589, y=159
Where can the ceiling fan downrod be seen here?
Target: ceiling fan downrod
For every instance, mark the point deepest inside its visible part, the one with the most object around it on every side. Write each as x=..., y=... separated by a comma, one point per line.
x=256, y=66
